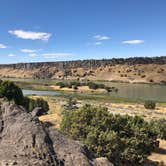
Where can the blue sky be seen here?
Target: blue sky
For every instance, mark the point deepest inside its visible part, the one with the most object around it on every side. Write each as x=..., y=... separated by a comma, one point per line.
x=54, y=30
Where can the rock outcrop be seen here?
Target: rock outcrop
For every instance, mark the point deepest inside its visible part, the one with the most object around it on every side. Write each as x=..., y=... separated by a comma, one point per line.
x=86, y=64
x=138, y=69
x=25, y=141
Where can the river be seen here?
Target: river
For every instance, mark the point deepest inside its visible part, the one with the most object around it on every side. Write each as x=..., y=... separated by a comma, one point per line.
x=125, y=91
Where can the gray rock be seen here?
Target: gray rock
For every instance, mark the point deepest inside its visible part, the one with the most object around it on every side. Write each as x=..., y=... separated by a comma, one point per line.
x=36, y=111
x=102, y=161
x=25, y=141
x=73, y=153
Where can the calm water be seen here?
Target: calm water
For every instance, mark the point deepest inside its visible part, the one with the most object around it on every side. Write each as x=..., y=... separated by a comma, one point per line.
x=42, y=93
x=140, y=91
x=126, y=91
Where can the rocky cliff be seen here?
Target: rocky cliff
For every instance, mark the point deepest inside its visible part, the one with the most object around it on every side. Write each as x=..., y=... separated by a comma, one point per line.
x=128, y=70
x=25, y=141
x=87, y=64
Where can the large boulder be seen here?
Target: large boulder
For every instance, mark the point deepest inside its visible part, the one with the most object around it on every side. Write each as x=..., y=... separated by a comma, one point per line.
x=71, y=152
x=25, y=141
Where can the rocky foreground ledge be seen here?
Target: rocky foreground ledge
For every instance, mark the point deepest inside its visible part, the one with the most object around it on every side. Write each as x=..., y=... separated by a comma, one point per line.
x=25, y=141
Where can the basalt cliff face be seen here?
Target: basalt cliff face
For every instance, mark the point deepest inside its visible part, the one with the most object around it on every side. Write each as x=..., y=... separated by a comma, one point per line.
x=131, y=69
x=25, y=141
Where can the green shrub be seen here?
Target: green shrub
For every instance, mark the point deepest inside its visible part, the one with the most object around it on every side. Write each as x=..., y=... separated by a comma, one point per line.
x=160, y=127
x=75, y=83
x=101, y=86
x=92, y=85
x=43, y=104
x=108, y=89
x=69, y=86
x=75, y=87
x=30, y=104
x=71, y=104
x=124, y=140
x=11, y=91
x=150, y=104
x=61, y=84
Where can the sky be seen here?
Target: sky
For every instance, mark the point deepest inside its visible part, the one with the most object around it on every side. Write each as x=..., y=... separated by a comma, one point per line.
x=59, y=30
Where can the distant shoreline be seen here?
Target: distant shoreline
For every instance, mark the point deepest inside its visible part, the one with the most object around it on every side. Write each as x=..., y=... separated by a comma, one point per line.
x=129, y=60
x=56, y=80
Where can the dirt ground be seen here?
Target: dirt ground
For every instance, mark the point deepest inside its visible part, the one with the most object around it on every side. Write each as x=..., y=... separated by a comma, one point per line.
x=160, y=154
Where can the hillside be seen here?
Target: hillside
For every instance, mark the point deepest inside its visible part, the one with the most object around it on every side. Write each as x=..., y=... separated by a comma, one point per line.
x=128, y=70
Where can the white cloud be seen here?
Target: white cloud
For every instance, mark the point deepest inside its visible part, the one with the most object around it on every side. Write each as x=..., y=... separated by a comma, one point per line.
x=97, y=43
x=56, y=55
x=30, y=35
x=100, y=38
x=133, y=42
x=33, y=55
x=3, y=46
x=11, y=55
x=28, y=51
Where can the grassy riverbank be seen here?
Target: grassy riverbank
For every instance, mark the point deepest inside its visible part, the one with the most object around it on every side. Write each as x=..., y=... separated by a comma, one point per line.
x=127, y=92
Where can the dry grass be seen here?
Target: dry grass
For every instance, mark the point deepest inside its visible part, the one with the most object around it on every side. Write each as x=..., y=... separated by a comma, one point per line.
x=160, y=154
x=55, y=110
x=133, y=109
x=129, y=73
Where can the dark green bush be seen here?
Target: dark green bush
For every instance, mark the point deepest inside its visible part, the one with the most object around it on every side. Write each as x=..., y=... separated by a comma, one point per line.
x=30, y=104
x=150, y=104
x=11, y=91
x=61, y=84
x=75, y=87
x=160, y=127
x=69, y=86
x=75, y=83
x=92, y=85
x=71, y=104
x=101, y=86
x=124, y=140
x=108, y=89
